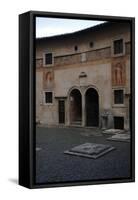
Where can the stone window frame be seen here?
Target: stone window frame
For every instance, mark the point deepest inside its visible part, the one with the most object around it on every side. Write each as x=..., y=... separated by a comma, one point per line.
x=44, y=63
x=121, y=104
x=44, y=99
x=112, y=46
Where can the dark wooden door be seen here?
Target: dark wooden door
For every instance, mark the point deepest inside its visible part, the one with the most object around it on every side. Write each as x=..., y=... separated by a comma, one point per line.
x=92, y=108
x=61, y=111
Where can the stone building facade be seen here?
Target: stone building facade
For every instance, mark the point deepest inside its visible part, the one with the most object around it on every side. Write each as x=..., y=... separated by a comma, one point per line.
x=83, y=78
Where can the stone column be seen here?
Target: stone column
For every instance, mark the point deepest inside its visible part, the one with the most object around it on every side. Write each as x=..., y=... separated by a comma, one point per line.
x=67, y=111
x=83, y=110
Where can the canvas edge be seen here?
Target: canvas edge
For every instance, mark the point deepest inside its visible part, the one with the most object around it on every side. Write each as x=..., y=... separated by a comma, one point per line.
x=29, y=182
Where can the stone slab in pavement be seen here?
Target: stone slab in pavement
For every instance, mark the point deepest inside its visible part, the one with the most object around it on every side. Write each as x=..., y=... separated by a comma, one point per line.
x=53, y=165
x=120, y=137
x=90, y=150
x=112, y=131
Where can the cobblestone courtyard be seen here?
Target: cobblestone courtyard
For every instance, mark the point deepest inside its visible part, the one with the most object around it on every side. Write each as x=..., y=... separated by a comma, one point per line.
x=52, y=165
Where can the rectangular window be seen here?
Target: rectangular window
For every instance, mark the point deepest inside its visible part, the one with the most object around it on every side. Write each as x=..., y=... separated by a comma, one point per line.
x=118, y=46
x=48, y=59
x=48, y=97
x=118, y=96
x=119, y=122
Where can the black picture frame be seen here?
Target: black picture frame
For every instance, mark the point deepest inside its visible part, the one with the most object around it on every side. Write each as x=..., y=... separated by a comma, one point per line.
x=27, y=97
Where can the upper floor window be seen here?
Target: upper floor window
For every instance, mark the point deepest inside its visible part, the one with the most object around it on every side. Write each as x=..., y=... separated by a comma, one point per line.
x=91, y=44
x=118, y=96
x=118, y=46
x=48, y=59
x=48, y=97
x=76, y=48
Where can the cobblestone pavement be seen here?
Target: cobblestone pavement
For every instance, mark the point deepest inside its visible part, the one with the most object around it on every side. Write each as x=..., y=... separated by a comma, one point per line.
x=52, y=165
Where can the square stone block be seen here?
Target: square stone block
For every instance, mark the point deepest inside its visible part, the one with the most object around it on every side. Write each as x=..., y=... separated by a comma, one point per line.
x=112, y=131
x=120, y=137
x=90, y=150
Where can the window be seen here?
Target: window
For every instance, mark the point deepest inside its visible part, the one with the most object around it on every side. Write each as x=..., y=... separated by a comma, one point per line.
x=76, y=48
x=91, y=44
x=118, y=96
x=48, y=97
x=48, y=59
x=118, y=46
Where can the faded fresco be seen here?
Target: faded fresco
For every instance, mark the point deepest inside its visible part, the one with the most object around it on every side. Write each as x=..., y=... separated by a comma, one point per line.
x=118, y=72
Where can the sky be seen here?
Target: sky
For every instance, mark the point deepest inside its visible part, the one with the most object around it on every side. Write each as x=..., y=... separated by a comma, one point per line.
x=54, y=26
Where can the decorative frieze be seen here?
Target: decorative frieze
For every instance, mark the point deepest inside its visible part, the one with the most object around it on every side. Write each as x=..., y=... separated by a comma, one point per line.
x=83, y=57
x=118, y=72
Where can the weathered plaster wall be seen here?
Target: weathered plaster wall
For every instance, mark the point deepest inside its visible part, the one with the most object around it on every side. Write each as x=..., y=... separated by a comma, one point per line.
x=101, y=39
x=98, y=67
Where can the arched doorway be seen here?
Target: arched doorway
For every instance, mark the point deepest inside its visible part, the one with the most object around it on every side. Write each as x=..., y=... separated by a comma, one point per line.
x=92, y=107
x=75, y=107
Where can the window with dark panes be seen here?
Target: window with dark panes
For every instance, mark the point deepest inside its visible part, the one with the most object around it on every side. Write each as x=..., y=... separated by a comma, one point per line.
x=48, y=97
x=119, y=122
x=118, y=96
x=48, y=59
x=118, y=46
x=76, y=48
x=91, y=44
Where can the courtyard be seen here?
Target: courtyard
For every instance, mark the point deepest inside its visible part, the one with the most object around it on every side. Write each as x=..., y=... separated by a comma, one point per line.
x=53, y=165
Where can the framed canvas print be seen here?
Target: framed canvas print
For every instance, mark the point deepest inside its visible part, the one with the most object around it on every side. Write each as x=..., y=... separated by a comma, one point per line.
x=76, y=99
